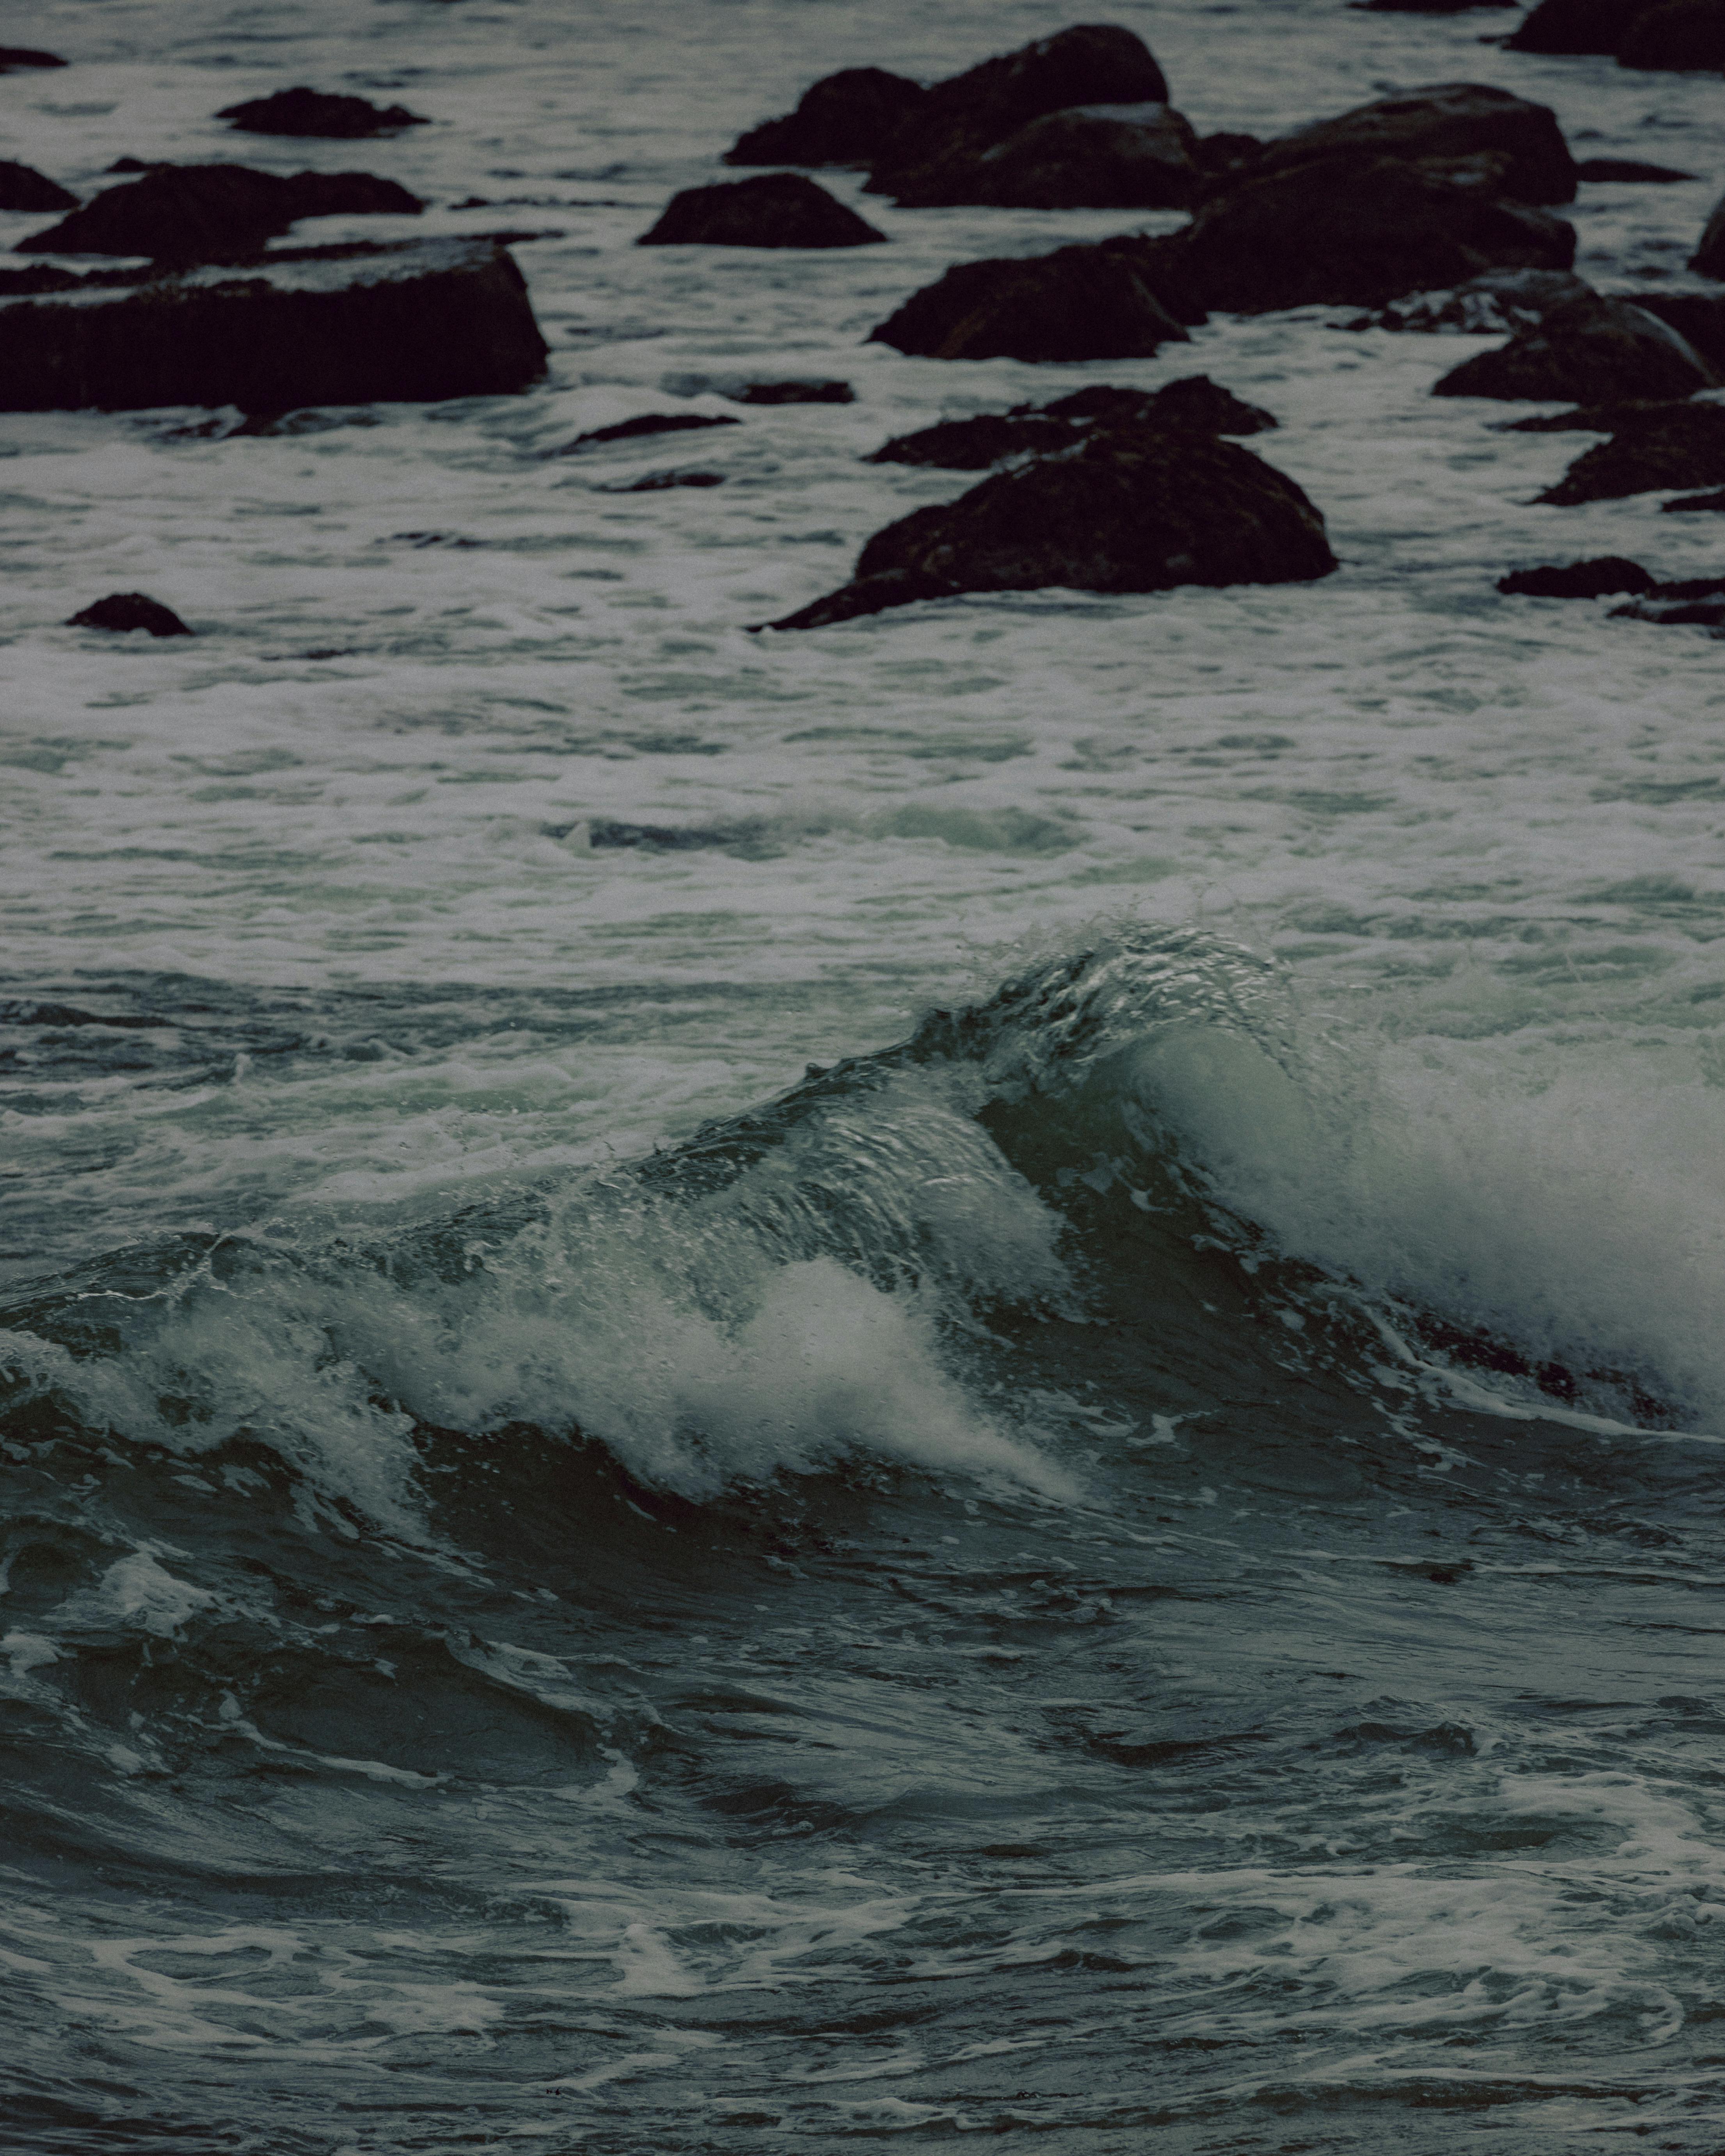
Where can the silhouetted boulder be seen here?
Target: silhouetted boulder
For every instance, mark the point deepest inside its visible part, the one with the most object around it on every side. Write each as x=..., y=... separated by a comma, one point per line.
x=206, y=213
x=929, y=159
x=779, y=210
x=1127, y=509
x=647, y=423
x=1077, y=303
x=16, y=57
x=317, y=112
x=1501, y=302
x=128, y=610
x=1089, y=156
x=1341, y=231
x=1676, y=35
x=1576, y=26
x=416, y=323
x=1593, y=350
x=1195, y=403
x=1676, y=446
x=1448, y=119
x=1581, y=580
x=1630, y=170
x=845, y=119
x=1709, y=258
x=22, y=186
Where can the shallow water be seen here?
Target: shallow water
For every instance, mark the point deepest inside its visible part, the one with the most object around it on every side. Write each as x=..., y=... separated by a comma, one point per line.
x=1139, y=1563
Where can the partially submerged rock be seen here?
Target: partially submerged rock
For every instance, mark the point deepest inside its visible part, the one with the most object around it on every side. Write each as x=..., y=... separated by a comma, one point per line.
x=1678, y=446
x=317, y=112
x=661, y=482
x=1091, y=157
x=205, y=213
x=647, y=423
x=1194, y=403
x=1591, y=349
x=1576, y=26
x=415, y=323
x=1424, y=7
x=1445, y=120
x=792, y=392
x=1580, y=580
x=1500, y=302
x=843, y=118
x=974, y=444
x=778, y=209
x=17, y=57
x=1629, y=170
x=1677, y=35
x=930, y=158
x=1591, y=418
x=1078, y=303
x=1713, y=504
x=22, y=186
x=1709, y=257
x=123, y=611
x=1341, y=231
x=1127, y=509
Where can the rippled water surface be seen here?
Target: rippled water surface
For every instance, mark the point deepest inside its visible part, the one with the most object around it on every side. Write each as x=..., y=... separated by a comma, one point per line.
x=1133, y=1559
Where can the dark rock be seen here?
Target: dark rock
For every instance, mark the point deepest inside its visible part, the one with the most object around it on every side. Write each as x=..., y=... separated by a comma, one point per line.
x=1594, y=349
x=1218, y=155
x=845, y=119
x=1423, y=7
x=932, y=152
x=1444, y=121
x=1346, y=233
x=22, y=186
x=792, y=392
x=1679, y=446
x=1677, y=35
x=1699, y=316
x=136, y=165
x=649, y=422
x=1127, y=509
x=779, y=210
x=207, y=213
x=25, y=56
x=1581, y=580
x=1712, y=503
x=443, y=318
x=317, y=112
x=1590, y=418
x=1501, y=301
x=1628, y=169
x=128, y=610
x=1576, y=26
x=1088, y=156
x=1077, y=303
x=1709, y=258
x=974, y=444
x=1165, y=265
x=1707, y=613
x=659, y=482
x=39, y=278
x=1195, y=403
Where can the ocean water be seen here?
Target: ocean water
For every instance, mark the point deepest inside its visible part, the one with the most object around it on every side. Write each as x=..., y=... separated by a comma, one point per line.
x=961, y=1376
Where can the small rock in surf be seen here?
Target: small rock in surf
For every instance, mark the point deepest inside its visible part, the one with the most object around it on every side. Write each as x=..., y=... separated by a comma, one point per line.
x=778, y=209
x=122, y=611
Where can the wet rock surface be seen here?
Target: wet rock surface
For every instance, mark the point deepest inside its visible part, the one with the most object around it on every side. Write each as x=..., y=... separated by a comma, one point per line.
x=1709, y=256
x=1680, y=446
x=1132, y=508
x=778, y=209
x=1699, y=317
x=124, y=611
x=1078, y=303
x=845, y=119
x=207, y=213
x=1590, y=348
x=312, y=112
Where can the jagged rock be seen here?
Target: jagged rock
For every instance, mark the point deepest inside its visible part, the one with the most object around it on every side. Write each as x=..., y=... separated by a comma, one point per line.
x=1678, y=446
x=13, y=57
x=1077, y=303
x=128, y=610
x=305, y=111
x=1677, y=35
x=1576, y=26
x=22, y=186
x=1591, y=349
x=1713, y=503
x=205, y=213
x=1195, y=403
x=1501, y=302
x=647, y=423
x=1708, y=259
x=1628, y=169
x=1343, y=233
x=845, y=119
x=1581, y=580
x=1090, y=157
x=779, y=210
x=792, y=392
x=1446, y=120
x=1127, y=509
x=415, y=323
x=933, y=152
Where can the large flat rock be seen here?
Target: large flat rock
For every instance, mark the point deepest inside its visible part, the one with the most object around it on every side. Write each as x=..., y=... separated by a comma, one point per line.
x=415, y=323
